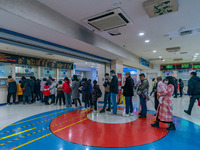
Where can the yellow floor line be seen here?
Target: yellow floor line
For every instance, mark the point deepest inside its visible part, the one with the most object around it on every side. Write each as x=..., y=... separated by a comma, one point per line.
x=17, y=133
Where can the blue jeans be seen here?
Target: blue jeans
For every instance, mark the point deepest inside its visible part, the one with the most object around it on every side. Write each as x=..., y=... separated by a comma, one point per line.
x=29, y=99
x=143, y=104
x=68, y=99
x=129, y=104
x=106, y=98
x=114, y=102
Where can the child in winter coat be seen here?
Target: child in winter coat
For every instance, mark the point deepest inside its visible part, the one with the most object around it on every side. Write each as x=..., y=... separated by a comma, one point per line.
x=60, y=94
x=162, y=88
x=20, y=92
x=46, y=93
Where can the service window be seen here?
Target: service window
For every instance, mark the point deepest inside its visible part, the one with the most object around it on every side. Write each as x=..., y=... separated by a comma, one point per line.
x=5, y=70
x=27, y=71
x=64, y=73
x=46, y=72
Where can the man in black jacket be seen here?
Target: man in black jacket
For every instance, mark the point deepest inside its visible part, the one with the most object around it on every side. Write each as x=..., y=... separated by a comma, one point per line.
x=128, y=93
x=114, y=91
x=12, y=89
x=193, y=91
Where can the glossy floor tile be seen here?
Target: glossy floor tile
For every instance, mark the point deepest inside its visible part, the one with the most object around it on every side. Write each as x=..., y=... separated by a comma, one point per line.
x=40, y=127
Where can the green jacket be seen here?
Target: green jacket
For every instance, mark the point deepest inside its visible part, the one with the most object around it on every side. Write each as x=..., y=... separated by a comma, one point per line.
x=144, y=85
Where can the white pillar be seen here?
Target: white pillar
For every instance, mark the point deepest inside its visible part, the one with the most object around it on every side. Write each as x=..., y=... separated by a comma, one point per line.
x=39, y=72
x=57, y=74
x=13, y=71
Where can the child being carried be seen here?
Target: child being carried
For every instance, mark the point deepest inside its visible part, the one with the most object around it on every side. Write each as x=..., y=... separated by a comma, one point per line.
x=162, y=89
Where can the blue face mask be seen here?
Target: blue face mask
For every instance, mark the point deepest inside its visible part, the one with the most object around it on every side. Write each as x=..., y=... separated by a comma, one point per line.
x=111, y=75
x=72, y=78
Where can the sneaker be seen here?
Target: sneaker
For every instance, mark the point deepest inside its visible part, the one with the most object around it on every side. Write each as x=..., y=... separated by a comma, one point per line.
x=140, y=114
x=156, y=124
x=187, y=112
x=7, y=104
x=126, y=115
x=13, y=104
x=102, y=111
x=172, y=127
x=131, y=114
x=94, y=111
x=142, y=117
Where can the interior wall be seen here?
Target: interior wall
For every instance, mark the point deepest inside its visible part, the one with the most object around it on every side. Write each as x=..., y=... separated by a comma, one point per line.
x=156, y=69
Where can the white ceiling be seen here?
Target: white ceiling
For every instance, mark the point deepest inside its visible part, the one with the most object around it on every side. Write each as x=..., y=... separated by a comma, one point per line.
x=154, y=28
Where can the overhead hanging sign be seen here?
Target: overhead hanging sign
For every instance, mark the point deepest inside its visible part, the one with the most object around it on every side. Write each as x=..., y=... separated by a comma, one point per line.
x=15, y=59
x=144, y=62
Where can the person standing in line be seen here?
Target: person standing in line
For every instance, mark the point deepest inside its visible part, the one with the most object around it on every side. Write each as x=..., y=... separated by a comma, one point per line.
x=114, y=90
x=46, y=93
x=37, y=89
x=128, y=93
x=193, y=91
x=67, y=92
x=153, y=85
x=96, y=93
x=42, y=84
x=32, y=82
x=107, y=93
x=75, y=91
x=49, y=80
x=143, y=94
x=164, y=112
x=85, y=93
x=12, y=89
x=181, y=86
x=26, y=87
x=175, y=87
x=19, y=92
x=156, y=102
x=90, y=97
x=60, y=93
x=53, y=91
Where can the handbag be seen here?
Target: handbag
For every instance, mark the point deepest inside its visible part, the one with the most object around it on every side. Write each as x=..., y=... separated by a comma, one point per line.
x=23, y=89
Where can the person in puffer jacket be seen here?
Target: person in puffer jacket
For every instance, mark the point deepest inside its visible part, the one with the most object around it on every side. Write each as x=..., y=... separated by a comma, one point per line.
x=67, y=92
x=46, y=93
x=53, y=91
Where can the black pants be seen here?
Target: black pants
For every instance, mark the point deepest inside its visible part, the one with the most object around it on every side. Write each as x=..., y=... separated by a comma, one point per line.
x=75, y=101
x=95, y=104
x=53, y=97
x=9, y=96
x=20, y=98
x=33, y=97
x=175, y=92
x=60, y=97
x=37, y=95
x=156, y=101
x=90, y=103
x=181, y=91
x=46, y=100
x=192, y=101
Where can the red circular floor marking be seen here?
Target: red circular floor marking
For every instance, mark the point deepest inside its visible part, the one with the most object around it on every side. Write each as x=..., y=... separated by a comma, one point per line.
x=73, y=128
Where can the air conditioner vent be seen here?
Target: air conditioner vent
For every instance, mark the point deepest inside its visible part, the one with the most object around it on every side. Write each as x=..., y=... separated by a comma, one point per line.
x=173, y=49
x=109, y=20
x=186, y=32
x=182, y=53
x=156, y=8
x=178, y=59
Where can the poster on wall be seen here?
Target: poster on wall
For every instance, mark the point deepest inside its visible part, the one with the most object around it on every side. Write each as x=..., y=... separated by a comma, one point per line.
x=63, y=73
x=5, y=70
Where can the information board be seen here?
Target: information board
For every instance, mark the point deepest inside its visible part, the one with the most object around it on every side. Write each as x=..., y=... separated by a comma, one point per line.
x=167, y=67
x=183, y=66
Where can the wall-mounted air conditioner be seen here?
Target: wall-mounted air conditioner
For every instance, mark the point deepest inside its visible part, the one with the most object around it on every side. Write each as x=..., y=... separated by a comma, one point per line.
x=108, y=20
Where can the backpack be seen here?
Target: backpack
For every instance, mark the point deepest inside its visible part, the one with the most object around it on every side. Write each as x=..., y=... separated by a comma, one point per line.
x=98, y=92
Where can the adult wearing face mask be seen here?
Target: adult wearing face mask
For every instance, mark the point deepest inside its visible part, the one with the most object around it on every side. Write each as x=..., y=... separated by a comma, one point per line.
x=114, y=90
x=164, y=112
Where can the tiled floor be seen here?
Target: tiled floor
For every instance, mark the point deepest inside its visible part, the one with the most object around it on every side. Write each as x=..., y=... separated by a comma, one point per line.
x=41, y=127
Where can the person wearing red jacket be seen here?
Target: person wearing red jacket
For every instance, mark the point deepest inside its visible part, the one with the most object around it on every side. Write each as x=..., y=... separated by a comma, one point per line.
x=67, y=92
x=46, y=93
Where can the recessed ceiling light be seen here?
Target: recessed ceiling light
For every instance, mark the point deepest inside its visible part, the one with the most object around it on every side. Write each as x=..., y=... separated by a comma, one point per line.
x=141, y=34
x=154, y=51
x=160, y=57
x=197, y=54
x=163, y=60
x=147, y=41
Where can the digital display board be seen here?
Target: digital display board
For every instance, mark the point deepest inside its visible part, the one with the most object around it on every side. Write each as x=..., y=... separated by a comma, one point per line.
x=196, y=66
x=183, y=66
x=168, y=67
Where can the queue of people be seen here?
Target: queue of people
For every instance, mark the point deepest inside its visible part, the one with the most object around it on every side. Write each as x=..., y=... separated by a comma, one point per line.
x=31, y=90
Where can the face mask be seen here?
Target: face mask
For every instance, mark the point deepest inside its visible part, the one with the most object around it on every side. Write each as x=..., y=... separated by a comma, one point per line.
x=166, y=82
x=111, y=75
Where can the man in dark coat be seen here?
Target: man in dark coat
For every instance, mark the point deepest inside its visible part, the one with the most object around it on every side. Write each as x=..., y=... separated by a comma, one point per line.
x=175, y=87
x=114, y=90
x=85, y=92
x=181, y=86
x=128, y=93
x=26, y=87
x=12, y=89
x=32, y=81
x=193, y=91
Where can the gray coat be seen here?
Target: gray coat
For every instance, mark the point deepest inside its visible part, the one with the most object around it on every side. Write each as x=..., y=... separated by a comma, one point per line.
x=26, y=83
x=53, y=88
x=75, y=89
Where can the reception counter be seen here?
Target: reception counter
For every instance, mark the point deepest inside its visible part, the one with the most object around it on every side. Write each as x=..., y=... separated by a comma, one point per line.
x=3, y=94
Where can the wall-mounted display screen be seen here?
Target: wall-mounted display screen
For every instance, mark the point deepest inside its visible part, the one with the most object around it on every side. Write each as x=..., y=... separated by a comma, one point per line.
x=168, y=67
x=184, y=66
x=196, y=66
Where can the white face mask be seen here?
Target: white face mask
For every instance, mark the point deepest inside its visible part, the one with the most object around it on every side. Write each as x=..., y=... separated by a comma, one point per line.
x=166, y=82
